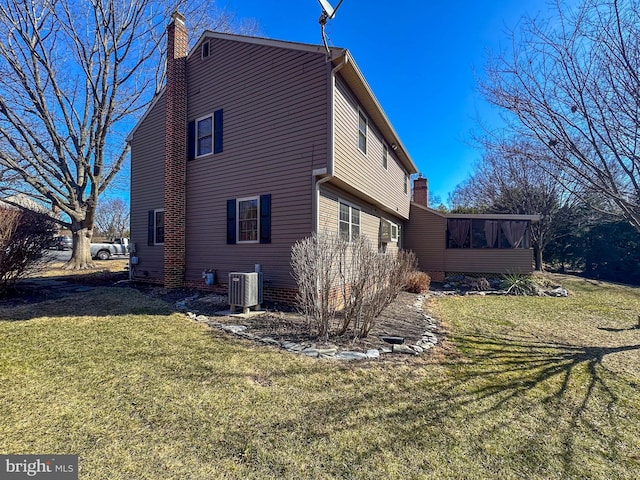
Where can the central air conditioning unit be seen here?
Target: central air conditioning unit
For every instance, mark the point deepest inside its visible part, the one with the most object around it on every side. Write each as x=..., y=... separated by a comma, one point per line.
x=245, y=290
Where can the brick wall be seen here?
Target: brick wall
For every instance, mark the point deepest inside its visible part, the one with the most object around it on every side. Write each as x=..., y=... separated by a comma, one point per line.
x=421, y=191
x=175, y=153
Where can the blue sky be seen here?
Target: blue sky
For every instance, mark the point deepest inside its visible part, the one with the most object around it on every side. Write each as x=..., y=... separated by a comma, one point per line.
x=421, y=59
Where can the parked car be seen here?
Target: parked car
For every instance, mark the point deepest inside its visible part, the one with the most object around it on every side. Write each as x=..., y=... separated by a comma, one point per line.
x=104, y=251
x=62, y=242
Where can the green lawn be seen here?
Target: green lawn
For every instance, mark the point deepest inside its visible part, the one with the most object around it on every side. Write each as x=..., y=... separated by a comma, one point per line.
x=526, y=388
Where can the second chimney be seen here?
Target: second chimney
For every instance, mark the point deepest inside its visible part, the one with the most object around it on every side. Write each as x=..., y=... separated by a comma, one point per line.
x=421, y=191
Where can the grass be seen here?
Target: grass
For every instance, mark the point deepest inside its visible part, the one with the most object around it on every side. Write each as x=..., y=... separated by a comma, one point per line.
x=526, y=388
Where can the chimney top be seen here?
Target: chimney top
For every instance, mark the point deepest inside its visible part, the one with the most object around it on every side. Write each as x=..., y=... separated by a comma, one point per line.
x=178, y=17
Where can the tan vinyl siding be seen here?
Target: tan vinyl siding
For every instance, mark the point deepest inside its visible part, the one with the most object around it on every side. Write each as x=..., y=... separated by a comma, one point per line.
x=275, y=135
x=330, y=198
x=425, y=235
x=147, y=180
x=365, y=172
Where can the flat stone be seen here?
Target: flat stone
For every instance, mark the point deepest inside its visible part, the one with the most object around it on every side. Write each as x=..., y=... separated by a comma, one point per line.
x=201, y=318
x=346, y=355
x=404, y=349
x=310, y=352
x=234, y=328
x=191, y=315
x=269, y=341
x=214, y=324
x=247, y=335
x=392, y=339
x=385, y=350
x=373, y=353
x=289, y=345
x=327, y=351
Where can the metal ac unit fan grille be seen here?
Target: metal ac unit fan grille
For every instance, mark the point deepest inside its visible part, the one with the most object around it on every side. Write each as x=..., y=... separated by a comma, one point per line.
x=245, y=289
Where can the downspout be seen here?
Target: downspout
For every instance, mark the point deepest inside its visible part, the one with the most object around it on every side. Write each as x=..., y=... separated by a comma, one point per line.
x=327, y=174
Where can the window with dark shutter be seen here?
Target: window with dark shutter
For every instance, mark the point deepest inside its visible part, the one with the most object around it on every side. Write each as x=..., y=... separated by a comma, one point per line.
x=191, y=140
x=231, y=221
x=217, y=131
x=265, y=218
x=151, y=227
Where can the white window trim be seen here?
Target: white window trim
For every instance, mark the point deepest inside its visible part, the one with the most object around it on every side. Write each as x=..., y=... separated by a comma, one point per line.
x=202, y=55
x=196, y=135
x=155, y=238
x=394, y=238
x=245, y=199
x=351, y=207
x=366, y=132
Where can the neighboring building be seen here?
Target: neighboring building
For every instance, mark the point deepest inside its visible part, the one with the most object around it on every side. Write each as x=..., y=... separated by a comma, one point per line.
x=253, y=145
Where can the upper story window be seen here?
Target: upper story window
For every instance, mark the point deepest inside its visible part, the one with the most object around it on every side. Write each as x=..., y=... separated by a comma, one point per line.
x=362, y=132
x=385, y=156
x=349, y=221
x=406, y=183
x=205, y=49
x=204, y=135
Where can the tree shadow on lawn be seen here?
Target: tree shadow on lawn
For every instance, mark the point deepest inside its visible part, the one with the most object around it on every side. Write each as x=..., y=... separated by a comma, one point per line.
x=528, y=399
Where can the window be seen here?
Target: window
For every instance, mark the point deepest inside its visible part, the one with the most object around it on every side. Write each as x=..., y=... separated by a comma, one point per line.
x=406, y=183
x=248, y=220
x=156, y=227
x=385, y=156
x=205, y=49
x=481, y=233
x=204, y=136
x=349, y=221
x=362, y=132
x=394, y=232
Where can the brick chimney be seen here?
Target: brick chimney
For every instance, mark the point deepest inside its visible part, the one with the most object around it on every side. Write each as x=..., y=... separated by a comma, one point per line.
x=421, y=191
x=175, y=153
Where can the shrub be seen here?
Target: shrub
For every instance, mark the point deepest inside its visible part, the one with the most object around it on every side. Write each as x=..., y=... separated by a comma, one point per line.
x=418, y=282
x=353, y=277
x=519, y=284
x=24, y=237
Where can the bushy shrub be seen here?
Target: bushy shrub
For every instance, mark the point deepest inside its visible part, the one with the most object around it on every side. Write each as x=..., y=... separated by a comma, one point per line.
x=418, y=282
x=350, y=277
x=24, y=237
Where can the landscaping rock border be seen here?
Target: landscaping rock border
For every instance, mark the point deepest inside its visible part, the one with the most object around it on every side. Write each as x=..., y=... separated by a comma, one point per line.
x=428, y=340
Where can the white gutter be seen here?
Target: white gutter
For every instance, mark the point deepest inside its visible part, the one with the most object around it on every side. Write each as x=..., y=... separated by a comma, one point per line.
x=327, y=175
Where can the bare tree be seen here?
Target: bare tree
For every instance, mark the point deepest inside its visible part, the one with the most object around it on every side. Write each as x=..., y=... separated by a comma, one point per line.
x=510, y=180
x=74, y=77
x=112, y=217
x=572, y=84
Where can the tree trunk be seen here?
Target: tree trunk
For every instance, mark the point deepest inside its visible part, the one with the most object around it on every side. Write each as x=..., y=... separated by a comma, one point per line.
x=537, y=257
x=81, y=253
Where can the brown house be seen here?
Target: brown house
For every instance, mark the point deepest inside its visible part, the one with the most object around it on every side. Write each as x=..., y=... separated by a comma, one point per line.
x=253, y=145
x=256, y=143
